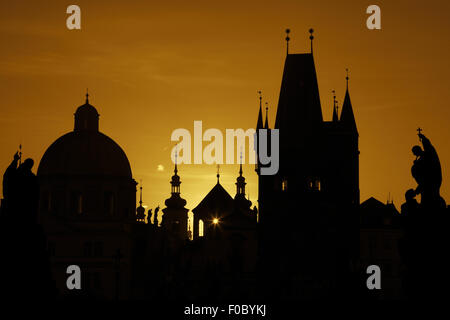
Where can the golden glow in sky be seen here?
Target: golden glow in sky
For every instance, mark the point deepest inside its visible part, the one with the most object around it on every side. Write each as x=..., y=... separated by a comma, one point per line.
x=152, y=67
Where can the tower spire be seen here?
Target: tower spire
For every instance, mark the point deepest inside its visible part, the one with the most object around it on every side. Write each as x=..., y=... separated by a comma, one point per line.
x=311, y=37
x=335, y=110
x=346, y=78
x=347, y=116
x=140, y=201
x=176, y=159
x=240, y=182
x=266, y=125
x=259, y=124
x=87, y=95
x=218, y=173
x=240, y=165
x=175, y=182
x=287, y=40
x=140, y=216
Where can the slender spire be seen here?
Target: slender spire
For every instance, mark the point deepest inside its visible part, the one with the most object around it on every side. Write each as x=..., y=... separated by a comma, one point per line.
x=87, y=95
x=347, y=115
x=140, y=201
x=240, y=167
x=335, y=113
x=140, y=216
x=287, y=40
x=259, y=124
x=266, y=125
x=175, y=182
x=240, y=181
x=346, y=78
x=176, y=159
x=218, y=173
x=311, y=37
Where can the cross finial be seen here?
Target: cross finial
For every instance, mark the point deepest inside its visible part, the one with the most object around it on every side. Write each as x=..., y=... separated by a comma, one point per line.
x=87, y=95
x=287, y=40
x=419, y=130
x=311, y=37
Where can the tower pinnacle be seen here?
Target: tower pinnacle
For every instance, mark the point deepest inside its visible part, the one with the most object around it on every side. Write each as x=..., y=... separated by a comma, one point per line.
x=287, y=40
x=259, y=124
x=335, y=107
x=140, y=216
x=311, y=37
x=140, y=200
x=346, y=78
x=266, y=125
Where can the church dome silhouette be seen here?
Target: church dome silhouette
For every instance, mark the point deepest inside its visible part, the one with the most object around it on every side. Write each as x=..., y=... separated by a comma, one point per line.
x=85, y=151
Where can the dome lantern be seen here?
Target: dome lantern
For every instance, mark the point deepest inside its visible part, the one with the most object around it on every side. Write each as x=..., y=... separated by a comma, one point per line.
x=86, y=117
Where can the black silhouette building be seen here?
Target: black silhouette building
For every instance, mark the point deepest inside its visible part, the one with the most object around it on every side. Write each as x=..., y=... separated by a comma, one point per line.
x=310, y=237
x=381, y=239
x=87, y=204
x=307, y=211
x=175, y=218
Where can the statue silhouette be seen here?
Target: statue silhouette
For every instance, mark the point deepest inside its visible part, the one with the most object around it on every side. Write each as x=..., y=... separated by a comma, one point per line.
x=10, y=186
x=22, y=239
x=155, y=216
x=427, y=172
x=425, y=239
x=20, y=191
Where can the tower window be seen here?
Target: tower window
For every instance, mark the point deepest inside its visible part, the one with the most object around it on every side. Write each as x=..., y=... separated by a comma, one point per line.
x=200, y=228
x=80, y=204
x=76, y=203
x=314, y=184
x=284, y=185
x=176, y=226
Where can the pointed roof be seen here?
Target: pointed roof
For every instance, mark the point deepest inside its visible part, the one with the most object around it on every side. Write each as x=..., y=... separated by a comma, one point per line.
x=259, y=124
x=335, y=115
x=375, y=213
x=299, y=102
x=218, y=199
x=347, y=116
x=335, y=111
x=266, y=124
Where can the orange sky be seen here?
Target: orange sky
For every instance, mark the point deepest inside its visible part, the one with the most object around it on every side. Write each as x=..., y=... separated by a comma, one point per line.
x=154, y=66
